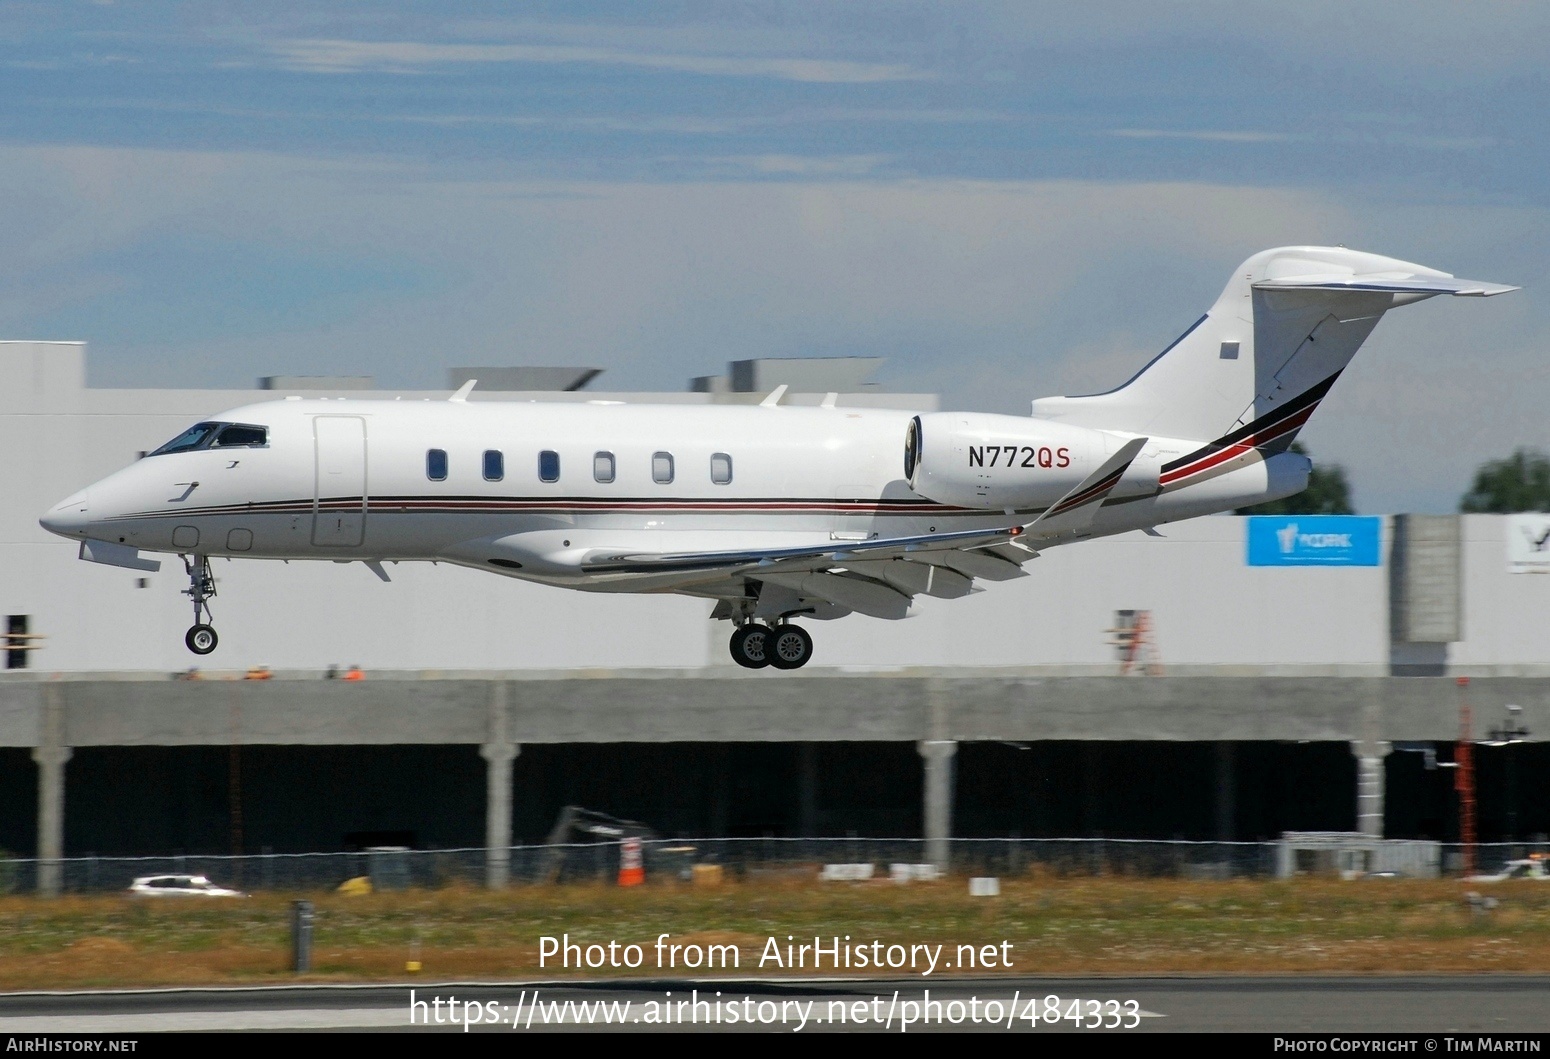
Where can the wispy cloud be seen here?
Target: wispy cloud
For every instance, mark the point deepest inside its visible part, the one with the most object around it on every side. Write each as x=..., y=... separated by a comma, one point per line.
x=211, y=268
x=1439, y=143
x=849, y=165
x=355, y=56
x=1204, y=135
x=1359, y=136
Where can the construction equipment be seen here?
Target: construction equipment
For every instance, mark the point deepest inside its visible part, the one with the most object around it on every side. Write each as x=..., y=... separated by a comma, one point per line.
x=577, y=826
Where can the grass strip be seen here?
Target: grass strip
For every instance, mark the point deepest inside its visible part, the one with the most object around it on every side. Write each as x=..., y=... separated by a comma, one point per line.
x=1056, y=926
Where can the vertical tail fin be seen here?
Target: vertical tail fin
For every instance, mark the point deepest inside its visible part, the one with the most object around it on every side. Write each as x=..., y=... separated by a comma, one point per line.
x=1258, y=363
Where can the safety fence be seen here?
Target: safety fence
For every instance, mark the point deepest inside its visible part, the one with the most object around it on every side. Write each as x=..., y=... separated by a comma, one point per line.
x=729, y=858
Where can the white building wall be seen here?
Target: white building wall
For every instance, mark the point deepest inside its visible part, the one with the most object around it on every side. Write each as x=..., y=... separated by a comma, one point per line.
x=1506, y=615
x=1208, y=608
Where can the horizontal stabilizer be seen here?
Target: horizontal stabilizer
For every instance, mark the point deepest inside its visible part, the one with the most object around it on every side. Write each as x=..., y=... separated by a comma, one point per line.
x=1463, y=288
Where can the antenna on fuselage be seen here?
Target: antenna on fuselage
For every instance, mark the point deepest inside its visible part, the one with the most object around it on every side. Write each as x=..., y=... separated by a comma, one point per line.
x=463, y=391
x=774, y=398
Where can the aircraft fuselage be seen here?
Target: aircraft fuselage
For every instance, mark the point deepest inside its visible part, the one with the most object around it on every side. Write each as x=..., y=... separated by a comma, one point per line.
x=465, y=482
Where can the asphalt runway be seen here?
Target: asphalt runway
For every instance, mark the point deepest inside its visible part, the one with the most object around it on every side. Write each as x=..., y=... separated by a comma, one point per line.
x=1502, y=1004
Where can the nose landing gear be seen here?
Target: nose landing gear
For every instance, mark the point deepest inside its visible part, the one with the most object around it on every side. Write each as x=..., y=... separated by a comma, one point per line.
x=201, y=638
x=783, y=646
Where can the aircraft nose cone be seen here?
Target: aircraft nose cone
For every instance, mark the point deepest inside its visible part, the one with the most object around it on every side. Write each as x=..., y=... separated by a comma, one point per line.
x=69, y=518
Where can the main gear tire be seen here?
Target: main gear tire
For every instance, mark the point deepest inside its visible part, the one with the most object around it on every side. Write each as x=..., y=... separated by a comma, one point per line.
x=788, y=647
x=748, y=646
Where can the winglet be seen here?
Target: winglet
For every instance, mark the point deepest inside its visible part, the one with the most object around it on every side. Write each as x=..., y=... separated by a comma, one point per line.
x=774, y=398
x=463, y=391
x=1075, y=510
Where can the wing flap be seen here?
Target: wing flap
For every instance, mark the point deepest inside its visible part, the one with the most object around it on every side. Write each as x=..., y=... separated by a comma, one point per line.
x=755, y=561
x=857, y=593
x=915, y=578
x=983, y=564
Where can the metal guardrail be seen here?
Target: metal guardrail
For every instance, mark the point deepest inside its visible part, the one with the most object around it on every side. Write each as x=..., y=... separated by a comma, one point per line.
x=749, y=858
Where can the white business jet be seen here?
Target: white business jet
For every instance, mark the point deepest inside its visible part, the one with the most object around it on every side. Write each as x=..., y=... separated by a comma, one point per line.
x=776, y=513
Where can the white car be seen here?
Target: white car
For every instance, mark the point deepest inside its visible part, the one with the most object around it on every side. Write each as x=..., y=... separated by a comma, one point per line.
x=180, y=886
x=1527, y=868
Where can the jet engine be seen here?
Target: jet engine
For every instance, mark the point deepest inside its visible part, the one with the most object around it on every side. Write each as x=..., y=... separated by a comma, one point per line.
x=1011, y=462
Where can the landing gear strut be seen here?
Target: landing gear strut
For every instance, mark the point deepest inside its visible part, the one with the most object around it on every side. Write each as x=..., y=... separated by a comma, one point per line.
x=783, y=646
x=201, y=638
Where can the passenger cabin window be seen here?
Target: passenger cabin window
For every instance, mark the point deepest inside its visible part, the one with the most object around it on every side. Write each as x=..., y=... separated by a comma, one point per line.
x=603, y=467
x=720, y=468
x=548, y=466
x=436, y=465
x=662, y=468
x=494, y=465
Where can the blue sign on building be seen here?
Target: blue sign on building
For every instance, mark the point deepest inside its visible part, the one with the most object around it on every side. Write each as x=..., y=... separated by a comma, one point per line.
x=1314, y=540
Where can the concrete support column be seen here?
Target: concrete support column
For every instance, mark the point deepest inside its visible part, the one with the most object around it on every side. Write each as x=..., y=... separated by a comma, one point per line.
x=499, y=752
x=497, y=812
x=1369, y=785
x=1226, y=793
x=938, y=755
x=51, y=816
x=51, y=753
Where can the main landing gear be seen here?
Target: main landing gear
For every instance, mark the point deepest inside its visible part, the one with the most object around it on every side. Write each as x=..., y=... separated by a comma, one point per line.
x=201, y=638
x=784, y=646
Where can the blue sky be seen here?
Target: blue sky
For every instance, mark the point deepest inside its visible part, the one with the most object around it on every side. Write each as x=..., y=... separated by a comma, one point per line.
x=1006, y=200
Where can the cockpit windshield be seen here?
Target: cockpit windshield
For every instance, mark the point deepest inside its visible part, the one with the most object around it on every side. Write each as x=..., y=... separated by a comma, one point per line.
x=239, y=435
x=216, y=435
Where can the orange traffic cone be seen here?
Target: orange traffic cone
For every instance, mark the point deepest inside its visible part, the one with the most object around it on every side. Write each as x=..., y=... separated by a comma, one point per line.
x=631, y=870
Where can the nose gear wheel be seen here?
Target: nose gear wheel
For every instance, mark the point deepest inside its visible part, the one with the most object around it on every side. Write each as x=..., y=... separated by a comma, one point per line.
x=200, y=638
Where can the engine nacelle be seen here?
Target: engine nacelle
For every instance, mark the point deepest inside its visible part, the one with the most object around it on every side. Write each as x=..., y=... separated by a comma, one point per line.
x=972, y=459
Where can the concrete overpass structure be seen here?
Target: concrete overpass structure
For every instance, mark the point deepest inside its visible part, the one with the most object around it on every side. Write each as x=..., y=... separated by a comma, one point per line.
x=934, y=710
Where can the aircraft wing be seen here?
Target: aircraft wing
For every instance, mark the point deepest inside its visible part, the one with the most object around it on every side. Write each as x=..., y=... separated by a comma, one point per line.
x=1073, y=513
x=879, y=577
x=815, y=556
